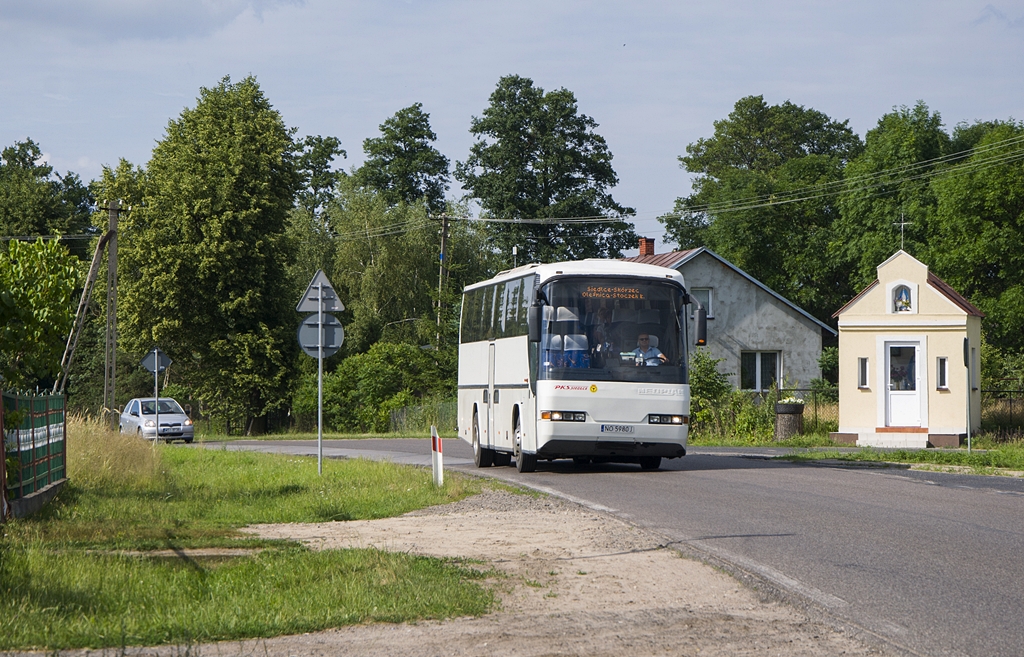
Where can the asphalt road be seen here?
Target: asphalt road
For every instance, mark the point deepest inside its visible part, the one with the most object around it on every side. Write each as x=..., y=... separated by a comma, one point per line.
x=931, y=562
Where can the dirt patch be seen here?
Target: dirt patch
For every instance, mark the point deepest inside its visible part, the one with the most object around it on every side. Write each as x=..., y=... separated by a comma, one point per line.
x=576, y=582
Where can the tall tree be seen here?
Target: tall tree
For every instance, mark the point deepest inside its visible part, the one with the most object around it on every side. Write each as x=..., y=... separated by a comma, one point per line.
x=537, y=157
x=887, y=185
x=387, y=270
x=976, y=237
x=35, y=200
x=319, y=179
x=203, y=256
x=761, y=198
x=309, y=226
x=402, y=164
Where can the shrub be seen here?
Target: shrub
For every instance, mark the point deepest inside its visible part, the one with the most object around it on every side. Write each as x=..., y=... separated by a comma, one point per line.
x=362, y=392
x=708, y=388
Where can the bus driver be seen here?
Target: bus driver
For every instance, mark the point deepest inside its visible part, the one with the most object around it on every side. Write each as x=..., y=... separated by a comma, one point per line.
x=646, y=354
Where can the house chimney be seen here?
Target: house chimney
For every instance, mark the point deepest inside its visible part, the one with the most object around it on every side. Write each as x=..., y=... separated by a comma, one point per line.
x=646, y=246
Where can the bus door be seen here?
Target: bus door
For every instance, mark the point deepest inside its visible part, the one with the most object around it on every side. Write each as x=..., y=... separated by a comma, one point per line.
x=490, y=395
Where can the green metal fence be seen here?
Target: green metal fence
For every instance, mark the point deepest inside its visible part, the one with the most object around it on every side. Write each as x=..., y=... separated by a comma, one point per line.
x=418, y=419
x=35, y=449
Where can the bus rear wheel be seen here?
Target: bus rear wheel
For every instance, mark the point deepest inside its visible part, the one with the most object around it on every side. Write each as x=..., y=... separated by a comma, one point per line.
x=482, y=456
x=524, y=462
x=650, y=462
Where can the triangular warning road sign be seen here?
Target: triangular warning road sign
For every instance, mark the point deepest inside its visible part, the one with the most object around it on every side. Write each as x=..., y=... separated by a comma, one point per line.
x=311, y=301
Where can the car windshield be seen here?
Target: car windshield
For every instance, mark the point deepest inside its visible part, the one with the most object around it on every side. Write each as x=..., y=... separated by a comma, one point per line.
x=166, y=406
x=613, y=329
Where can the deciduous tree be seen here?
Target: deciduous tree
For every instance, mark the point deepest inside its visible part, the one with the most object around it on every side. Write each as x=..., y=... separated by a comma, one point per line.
x=537, y=157
x=887, y=184
x=976, y=237
x=35, y=200
x=402, y=164
x=37, y=281
x=203, y=256
x=762, y=198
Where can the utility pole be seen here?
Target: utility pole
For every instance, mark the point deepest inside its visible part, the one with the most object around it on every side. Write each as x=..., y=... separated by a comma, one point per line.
x=110, y=353
x=440, y=274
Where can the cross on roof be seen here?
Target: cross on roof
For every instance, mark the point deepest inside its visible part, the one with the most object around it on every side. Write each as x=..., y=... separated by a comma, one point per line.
x=902, y=223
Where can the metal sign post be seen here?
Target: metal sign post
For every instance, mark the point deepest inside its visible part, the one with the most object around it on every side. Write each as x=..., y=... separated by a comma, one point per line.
x=320, y=296
x=156, y=362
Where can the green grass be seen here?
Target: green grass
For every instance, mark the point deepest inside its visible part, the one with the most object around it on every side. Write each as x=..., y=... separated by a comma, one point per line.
x=712, y=439
x=65, y=582
x=1004, y=456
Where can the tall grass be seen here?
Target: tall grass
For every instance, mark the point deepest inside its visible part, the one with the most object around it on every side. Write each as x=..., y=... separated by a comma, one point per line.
x=98, y=457
x=66, y=580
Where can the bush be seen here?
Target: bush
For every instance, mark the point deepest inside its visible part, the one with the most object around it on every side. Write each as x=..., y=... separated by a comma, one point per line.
x=362, y=392
x=708, y=388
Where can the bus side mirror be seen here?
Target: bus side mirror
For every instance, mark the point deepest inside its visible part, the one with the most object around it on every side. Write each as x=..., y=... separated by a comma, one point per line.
x=533, y=315
x=701, y=315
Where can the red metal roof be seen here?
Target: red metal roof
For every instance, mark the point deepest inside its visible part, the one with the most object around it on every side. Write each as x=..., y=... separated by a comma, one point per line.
x=670, y=259
x=954, y=296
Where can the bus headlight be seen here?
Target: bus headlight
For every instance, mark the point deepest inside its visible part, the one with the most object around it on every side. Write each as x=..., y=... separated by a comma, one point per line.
x=563, y=416
x=667, y=419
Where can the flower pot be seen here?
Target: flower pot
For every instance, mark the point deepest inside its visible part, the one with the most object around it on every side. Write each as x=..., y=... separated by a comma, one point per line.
x=789, y=420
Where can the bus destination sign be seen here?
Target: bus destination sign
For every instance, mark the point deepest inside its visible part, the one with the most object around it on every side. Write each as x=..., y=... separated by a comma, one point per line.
x=612, y=292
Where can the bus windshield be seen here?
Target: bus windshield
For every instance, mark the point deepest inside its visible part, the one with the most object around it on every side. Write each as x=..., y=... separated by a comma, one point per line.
x=612, y=329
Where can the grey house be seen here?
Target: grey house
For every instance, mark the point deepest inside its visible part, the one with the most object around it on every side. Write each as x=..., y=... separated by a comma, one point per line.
x=762, y=336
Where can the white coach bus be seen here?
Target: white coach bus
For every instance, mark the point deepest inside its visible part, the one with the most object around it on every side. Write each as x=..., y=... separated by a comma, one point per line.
x=584, y=360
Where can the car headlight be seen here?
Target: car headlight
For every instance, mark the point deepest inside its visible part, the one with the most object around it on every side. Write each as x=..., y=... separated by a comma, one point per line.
x=150, y=424
x=188, y=422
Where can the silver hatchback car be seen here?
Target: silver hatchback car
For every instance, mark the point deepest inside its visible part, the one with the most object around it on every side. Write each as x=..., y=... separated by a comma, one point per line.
x=139, y=418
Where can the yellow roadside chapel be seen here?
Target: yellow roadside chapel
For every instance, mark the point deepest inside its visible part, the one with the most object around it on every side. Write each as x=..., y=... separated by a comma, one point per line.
x=902, y=377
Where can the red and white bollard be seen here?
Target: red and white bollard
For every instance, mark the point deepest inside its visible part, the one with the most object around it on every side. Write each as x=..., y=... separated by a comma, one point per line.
x=436, y=459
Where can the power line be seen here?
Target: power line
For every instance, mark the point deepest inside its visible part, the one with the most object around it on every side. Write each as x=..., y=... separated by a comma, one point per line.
x=908, y=173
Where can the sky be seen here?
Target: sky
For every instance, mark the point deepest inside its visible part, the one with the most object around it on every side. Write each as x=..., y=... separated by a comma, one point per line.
x=94, y=81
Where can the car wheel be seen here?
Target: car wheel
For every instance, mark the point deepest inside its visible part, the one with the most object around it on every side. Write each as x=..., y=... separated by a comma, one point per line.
x=524, y=462
x=482, y=456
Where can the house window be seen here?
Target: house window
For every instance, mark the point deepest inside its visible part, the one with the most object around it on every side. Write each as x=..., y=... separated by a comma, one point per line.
x=942, y=373
x=759, y=370
x=862, y=372
x=705, y=296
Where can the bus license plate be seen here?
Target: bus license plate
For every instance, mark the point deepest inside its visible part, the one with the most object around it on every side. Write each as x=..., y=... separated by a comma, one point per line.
x=616, y=428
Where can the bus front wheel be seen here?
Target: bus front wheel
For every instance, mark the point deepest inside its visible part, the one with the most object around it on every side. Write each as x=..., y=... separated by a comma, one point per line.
x=482, y=456
x=524, y=462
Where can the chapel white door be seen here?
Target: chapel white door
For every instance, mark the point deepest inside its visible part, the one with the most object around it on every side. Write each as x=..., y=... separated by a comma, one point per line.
x=903, y=401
